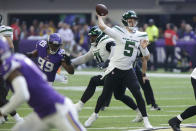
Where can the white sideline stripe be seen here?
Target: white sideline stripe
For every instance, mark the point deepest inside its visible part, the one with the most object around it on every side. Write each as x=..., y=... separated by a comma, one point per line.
x=168, y=75
x=117, y=107
x=127, y=116
x=74, y=88
x=114, y=128
x=82, y=88
x=173, y=111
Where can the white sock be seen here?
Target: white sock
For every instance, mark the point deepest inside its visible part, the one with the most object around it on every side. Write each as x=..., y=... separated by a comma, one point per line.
x=16, y=117
x=80, y=102
x=145, y=119
x=138, y=111
x=180, y=118
x=96, y=114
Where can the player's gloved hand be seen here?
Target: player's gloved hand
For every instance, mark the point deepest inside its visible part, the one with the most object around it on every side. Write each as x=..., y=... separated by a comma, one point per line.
x=103, y=65
x=29, y=54
x=67, y=59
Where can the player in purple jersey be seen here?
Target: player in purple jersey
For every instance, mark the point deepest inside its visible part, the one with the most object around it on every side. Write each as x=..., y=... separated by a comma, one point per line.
x=50, y=57
x=29, y=84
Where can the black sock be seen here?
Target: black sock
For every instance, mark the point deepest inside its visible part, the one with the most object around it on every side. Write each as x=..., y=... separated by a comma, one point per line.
x=189, y=112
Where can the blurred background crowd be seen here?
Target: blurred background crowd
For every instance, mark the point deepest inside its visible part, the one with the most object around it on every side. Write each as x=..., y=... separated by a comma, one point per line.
x=76, y=41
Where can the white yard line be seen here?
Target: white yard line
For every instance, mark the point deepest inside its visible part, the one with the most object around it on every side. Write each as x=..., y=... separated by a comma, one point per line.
x=82, y=88
x=117, y=107
x=167, y=75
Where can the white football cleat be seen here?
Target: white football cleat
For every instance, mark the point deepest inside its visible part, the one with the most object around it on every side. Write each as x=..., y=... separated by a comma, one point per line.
x=147, y=125
x=17, y=118
x=90, y=120
x=138, y=118
x=2, y=119
x=61, y=78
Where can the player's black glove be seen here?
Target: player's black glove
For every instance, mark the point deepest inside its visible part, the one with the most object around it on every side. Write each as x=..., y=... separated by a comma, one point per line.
x=29, y=54
x=103, y=65
x=67, y=59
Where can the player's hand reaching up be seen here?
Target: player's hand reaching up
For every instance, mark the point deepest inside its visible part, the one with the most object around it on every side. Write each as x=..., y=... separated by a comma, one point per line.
x=144, y=43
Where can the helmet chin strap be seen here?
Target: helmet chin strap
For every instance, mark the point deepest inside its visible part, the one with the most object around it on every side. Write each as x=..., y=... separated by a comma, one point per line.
x=132, y=27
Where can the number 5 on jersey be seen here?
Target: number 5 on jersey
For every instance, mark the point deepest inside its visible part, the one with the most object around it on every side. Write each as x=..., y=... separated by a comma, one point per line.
x=128, y=48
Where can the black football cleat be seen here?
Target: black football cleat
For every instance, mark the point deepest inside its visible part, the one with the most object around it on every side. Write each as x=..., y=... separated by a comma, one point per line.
x=175, y=124
x=155, y=107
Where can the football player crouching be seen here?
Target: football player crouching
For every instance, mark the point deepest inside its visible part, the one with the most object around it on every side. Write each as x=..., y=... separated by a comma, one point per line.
x=50, y=57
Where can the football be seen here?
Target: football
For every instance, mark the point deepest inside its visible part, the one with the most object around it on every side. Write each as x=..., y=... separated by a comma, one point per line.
x=101, y=9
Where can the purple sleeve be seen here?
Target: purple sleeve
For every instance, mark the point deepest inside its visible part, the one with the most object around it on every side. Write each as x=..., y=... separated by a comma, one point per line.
x=8, y=67
x=41, y=44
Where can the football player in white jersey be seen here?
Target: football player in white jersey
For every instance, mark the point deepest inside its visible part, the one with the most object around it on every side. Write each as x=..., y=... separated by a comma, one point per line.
x=6, y=32
x=120, y=73
x=101, y=46
x=189, y=112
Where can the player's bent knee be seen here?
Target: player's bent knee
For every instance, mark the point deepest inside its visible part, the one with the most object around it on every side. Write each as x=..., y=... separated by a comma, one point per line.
x=94, y=79
x=118, y=97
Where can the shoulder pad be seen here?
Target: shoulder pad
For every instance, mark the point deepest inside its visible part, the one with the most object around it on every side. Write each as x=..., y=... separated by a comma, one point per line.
x=6, y=30
x=119, y=29
x=141, y=34
x=61, y=52
x=106, y=39
x=8, y=67
x=42, y=43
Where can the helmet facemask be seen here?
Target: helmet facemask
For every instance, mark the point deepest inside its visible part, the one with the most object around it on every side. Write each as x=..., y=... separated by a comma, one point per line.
x=54, y=43
x=53, y=48
x=132, y=24
x=94, y=35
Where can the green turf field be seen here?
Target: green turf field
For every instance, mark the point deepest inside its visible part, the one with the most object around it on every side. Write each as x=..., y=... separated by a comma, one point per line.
x=172, y=94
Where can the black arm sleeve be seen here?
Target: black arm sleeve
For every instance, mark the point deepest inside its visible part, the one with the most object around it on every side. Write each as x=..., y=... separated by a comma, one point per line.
x=109, y=44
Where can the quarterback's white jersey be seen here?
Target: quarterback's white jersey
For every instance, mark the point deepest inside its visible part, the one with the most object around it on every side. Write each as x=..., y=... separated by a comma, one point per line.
x=6, y=31
x=99, y=52
x=193, y=74
x=126, y=49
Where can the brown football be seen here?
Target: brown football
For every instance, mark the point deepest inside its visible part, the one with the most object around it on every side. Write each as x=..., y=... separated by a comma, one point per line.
x=101, y=9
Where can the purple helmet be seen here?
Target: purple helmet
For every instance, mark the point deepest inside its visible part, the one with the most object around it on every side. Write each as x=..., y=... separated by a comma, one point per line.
x=4, y=49
x=54, y=43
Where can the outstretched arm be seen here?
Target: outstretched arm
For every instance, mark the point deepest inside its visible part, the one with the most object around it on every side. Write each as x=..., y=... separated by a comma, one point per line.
x=109, y=31
x=82, y=59
x=32, y=54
